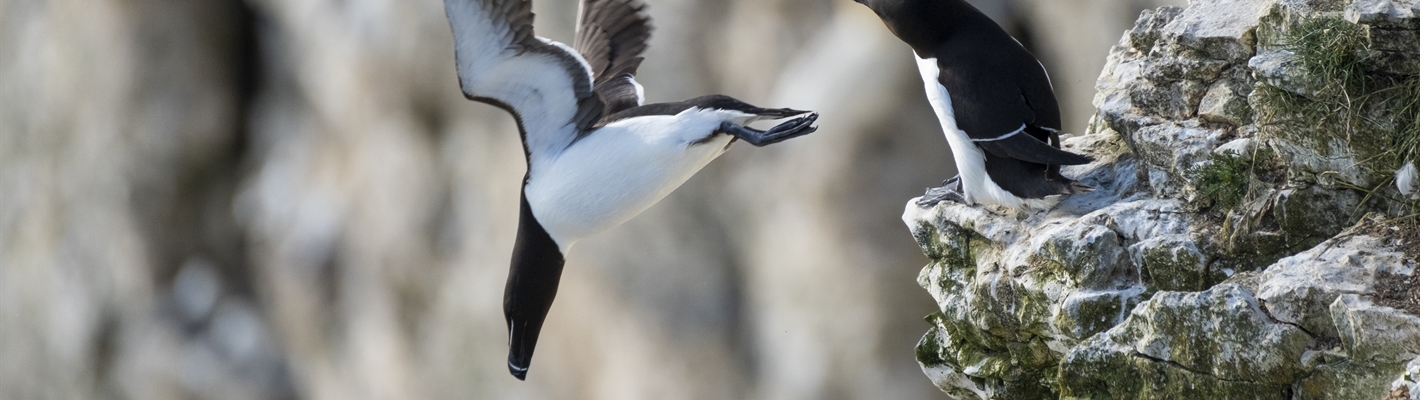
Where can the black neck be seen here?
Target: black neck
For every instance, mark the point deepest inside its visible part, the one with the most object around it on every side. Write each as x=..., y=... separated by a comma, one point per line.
x=532, y=285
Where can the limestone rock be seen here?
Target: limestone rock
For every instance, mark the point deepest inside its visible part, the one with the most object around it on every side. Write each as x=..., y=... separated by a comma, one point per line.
x=1376, y=333
x=1385, y=13
x=1221, y=103
x=1224, y=253
x=1221, y=29
x=1282, y=69
x=1300, y=289
x=1218, y=342
x=1149, y=27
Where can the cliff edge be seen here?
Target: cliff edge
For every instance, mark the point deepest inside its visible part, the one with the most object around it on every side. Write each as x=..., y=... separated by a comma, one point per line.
x=1246, y=239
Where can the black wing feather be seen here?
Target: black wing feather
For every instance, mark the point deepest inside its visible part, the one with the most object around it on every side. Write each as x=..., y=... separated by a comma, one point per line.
x=1033, y=181
x=612, y=35
x=1025, y=146
x=996, y=94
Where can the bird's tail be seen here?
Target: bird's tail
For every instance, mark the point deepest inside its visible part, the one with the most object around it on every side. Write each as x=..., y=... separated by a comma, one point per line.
x=1076, y=188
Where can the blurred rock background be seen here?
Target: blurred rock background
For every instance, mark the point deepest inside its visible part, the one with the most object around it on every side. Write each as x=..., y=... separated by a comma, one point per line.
x=228, y=199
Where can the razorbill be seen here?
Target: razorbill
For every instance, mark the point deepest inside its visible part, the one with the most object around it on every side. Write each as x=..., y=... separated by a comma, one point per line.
x=994, y=101
x=596, y=154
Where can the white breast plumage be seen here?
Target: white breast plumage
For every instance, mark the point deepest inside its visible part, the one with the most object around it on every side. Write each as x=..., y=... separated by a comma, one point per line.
x=621, y=170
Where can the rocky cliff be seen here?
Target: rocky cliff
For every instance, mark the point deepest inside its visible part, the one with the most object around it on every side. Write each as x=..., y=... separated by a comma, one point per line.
x=1246, y=238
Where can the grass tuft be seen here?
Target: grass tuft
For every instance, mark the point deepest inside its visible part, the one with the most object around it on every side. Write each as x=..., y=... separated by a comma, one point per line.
x=1336, y=50
x=1376, y=114
x=1407, y=136
x=1229, y=179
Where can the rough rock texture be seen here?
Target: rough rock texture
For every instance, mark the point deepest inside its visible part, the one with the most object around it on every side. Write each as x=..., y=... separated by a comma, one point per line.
x=1245, y=239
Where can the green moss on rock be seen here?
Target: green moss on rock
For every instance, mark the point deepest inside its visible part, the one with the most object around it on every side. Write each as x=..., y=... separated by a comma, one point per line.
x=1216, y=343
x=1311, y=215
x=930, y=346
x=1173, y=266
x=1347, y=379
x=1013, y=370
x=1084, y=314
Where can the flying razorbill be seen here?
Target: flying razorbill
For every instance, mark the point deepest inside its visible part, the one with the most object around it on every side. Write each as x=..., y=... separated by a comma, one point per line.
x=596, y=155
x=994, y=100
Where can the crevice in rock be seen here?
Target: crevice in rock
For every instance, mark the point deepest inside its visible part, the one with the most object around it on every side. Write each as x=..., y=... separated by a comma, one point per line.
x=1326, y=343
x=1262, y=306
x=1182, y=367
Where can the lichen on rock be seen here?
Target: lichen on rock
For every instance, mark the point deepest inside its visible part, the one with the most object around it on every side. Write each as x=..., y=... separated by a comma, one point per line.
x=1245, y=238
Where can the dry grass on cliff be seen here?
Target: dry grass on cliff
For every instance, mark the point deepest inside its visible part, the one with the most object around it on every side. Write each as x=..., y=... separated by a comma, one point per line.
x=1376, y=113
x=1395, y=290
x=1369, y=103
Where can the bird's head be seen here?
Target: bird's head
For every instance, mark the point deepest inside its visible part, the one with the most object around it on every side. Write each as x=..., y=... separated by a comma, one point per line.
x=918, y=22
x=888, y=8
x=895, y=12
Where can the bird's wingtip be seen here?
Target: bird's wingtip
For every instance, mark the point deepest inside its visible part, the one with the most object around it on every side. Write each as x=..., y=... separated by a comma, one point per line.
x=1077, y=158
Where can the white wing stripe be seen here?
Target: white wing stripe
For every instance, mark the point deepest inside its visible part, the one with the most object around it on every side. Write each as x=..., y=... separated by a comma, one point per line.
x=640, y=91
x=1002, y=137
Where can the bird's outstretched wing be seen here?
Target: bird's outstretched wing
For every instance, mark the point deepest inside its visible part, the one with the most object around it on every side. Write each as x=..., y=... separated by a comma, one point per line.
x=611, y=35
x=546, y=85
x=1005, y=114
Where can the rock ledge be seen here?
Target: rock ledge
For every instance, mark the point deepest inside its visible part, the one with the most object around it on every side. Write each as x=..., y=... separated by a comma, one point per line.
x=1245, y=238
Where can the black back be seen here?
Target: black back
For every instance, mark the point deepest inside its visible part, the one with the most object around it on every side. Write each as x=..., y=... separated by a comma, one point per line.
x=996, y=86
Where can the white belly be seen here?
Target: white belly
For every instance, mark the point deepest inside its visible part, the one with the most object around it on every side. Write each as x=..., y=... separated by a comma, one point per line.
x=616, y=173
x=971, y=160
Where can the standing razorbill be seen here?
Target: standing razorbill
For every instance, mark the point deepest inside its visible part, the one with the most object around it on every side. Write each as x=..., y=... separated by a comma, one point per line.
x=596, y=156
x=994, y=100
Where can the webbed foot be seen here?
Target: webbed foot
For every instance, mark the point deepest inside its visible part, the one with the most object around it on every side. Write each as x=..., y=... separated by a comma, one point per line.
x=785, y=131
x=950, y=191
